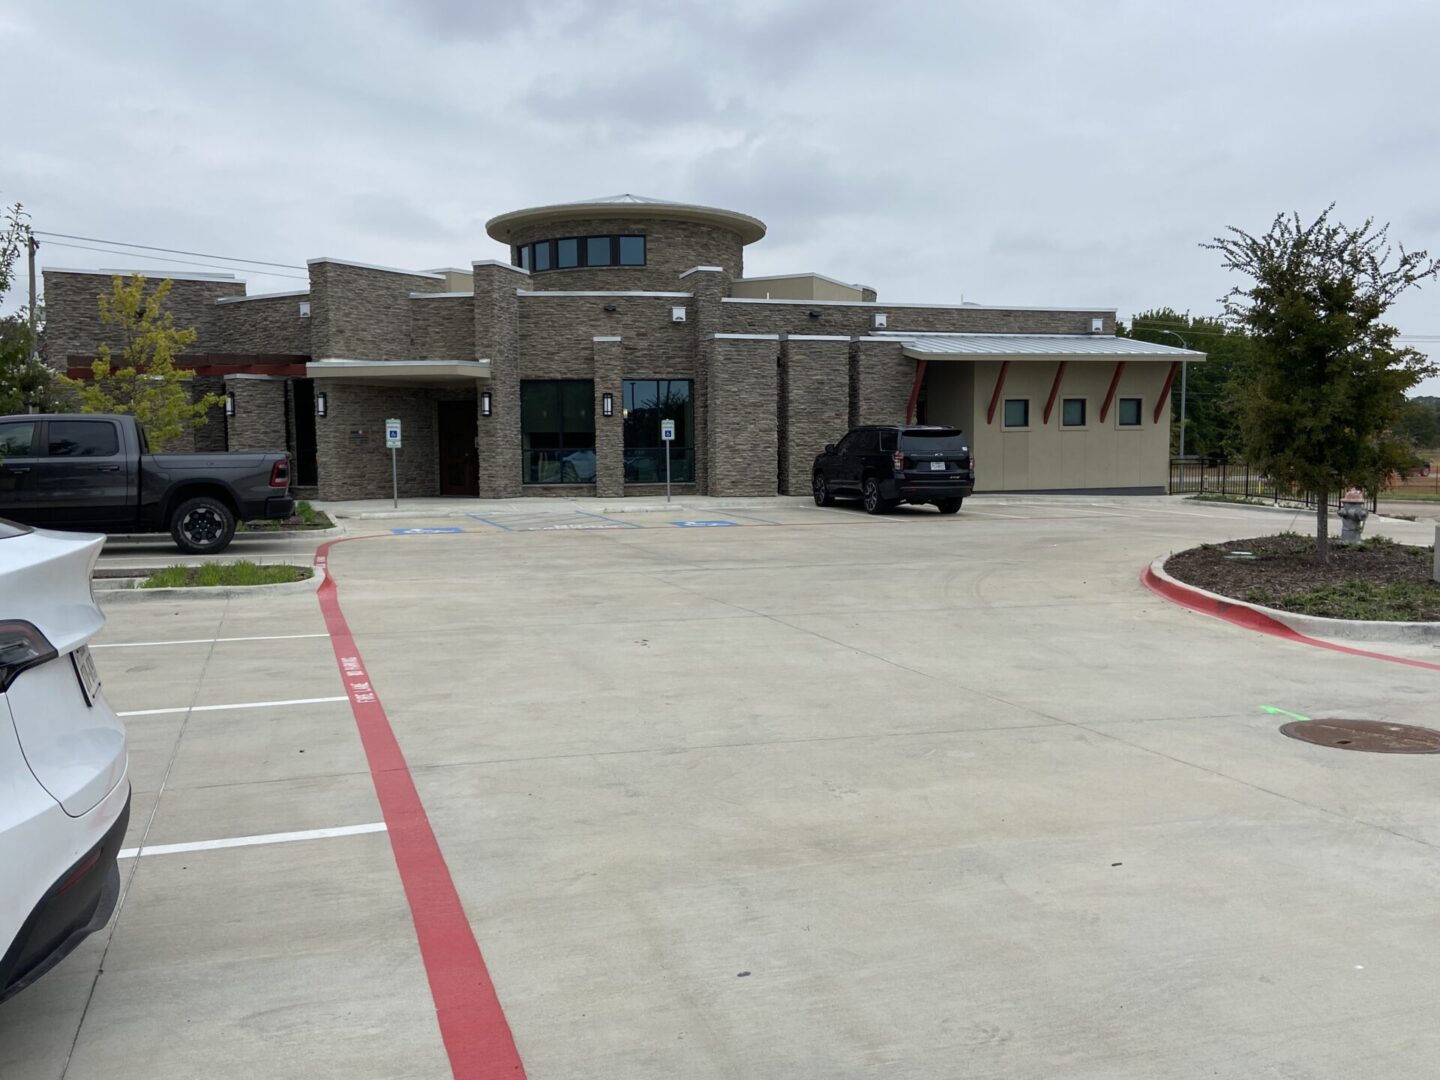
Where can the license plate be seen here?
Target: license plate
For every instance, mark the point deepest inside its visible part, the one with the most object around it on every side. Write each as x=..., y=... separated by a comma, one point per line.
x=87, y=674
x=937, y=466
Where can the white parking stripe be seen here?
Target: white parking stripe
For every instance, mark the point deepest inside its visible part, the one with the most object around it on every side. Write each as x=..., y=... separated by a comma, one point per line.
x=202, y=641
x=252, y=841
x=236, y=705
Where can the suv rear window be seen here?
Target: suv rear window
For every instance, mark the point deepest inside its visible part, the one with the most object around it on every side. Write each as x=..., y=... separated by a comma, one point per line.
x=934, y=442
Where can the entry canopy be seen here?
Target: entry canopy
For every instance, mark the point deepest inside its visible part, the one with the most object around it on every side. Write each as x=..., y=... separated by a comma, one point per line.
x=401, y=372
x=945, y=346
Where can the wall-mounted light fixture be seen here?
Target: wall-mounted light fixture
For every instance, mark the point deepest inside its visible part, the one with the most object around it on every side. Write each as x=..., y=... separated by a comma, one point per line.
x=814, y=314
x=322, y=403
x=484, y=402
x=607, y=404
x=230, y=403
x=611, y=308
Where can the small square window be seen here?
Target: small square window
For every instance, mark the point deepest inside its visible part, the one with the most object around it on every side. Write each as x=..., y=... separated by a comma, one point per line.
x=1129, y=412
x=632, y=251
x=1072, y=412
x=597, y=251
x=1017, y=412
x=567, y=254
x=540, y=260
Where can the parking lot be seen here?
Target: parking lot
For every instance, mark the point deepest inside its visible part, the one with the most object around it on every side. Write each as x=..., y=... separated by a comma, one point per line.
x=763, y=792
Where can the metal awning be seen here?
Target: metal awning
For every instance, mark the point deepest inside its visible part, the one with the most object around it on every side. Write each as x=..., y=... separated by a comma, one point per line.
x=946, y=346
x=407, y=372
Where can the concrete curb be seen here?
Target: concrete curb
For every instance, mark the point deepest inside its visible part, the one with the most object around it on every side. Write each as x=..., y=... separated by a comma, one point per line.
x=1263, y=618
x=209, y=592
x=264, y=533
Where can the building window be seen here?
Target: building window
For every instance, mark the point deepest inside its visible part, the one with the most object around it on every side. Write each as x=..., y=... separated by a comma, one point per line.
x=577, y=251
x=632, y=251
x=557, y=431
x=1128, y=414
x=1072, y=412
x=646, y=403
x=1017, y=413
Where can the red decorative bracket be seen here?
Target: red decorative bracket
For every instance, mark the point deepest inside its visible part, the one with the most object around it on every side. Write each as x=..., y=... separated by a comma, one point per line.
x=999, y=389
x=1110, y=394
x=1164, y=398
x=915, y=391
x=1054, y=389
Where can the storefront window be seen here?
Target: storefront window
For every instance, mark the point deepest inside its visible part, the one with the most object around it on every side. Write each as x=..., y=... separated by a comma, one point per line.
x=557, y=431
x=647, y=402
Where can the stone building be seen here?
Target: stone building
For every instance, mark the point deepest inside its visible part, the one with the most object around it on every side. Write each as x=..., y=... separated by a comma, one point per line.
x=551, y=373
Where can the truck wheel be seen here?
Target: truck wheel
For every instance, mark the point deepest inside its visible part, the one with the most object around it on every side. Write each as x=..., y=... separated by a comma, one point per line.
x=822, y=491
x=874, y=503
x=948, y=506
x=202, y=526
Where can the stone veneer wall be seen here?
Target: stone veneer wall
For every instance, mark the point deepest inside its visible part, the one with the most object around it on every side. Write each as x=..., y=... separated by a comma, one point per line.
x=881, y=378
x=707, y=287
x=497, y=337
x=259, y=420
x=357, y=313
x=742, y=414
x=442, y=328
x=72, y=312
x=350, y=441
x=270, y=324
x=855, y=319
x=814, y=405
x=557, y=332
x=609, y=432
x=671, y=248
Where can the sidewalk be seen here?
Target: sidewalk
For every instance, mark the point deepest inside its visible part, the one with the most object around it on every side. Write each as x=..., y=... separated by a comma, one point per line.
x=371, y=509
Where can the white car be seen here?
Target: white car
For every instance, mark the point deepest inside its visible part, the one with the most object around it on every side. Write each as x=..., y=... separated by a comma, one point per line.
x=64, y=794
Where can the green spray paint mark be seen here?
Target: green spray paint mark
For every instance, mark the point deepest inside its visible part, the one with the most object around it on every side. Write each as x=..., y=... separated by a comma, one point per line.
x=1273, y=711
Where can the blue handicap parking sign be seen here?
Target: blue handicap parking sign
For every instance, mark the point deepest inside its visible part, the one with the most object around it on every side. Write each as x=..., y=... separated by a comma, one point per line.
x=702, y=524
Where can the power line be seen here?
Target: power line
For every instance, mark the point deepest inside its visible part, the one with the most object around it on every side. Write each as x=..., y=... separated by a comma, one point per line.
x=172, y=251
x=165, y=259
x=1135, y=327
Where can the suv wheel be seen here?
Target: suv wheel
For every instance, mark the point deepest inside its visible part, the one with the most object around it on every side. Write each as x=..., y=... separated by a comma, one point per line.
x=202, y=526
x=948, y=506
x=821, y=491
x=870, y=491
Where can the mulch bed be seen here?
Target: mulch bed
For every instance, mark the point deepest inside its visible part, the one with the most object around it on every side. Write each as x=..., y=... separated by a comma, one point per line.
x=1378, y=579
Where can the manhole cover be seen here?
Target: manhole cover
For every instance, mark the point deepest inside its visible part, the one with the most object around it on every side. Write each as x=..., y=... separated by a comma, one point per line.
x=1372, y=735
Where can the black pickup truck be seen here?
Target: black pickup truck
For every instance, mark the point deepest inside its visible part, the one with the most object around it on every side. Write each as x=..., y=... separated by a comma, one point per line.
x=95, y=473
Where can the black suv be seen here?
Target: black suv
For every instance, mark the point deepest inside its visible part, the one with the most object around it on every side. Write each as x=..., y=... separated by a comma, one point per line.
x=887, y=465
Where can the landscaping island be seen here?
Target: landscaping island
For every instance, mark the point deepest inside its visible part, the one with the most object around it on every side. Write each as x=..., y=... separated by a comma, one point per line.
x=212, y=574
x=1377, y=580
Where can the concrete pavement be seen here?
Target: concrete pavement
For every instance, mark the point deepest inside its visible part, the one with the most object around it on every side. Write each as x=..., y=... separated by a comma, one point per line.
x=812, y=794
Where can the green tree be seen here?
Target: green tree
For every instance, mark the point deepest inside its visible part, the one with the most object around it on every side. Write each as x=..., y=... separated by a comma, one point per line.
x=1214, y=388
x=1329, y=380
x=25, y=381
x=14, y=233
x=1419, y=423
x=143, y=380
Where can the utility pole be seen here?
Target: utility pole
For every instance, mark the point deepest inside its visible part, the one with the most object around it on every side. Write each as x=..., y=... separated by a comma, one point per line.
x=31, y=245
x=1184, y=371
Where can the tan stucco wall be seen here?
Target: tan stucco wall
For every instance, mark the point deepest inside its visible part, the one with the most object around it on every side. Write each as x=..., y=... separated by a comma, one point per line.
x=795, y=287
x=1047, y=457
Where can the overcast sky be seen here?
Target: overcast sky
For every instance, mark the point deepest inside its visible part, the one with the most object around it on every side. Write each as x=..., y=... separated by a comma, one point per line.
x=1051, y=153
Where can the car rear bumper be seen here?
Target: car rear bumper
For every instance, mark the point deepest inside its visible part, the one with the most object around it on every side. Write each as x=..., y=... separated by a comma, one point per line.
x=79, y=902
x=914, y=490
x=279, y=508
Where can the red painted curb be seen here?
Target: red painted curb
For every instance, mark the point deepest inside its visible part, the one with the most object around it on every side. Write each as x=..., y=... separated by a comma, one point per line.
x=1179, y=593
x=472, y=1023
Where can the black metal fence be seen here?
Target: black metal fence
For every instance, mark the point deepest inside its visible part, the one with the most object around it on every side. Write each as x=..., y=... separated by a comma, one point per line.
x=1237, y=480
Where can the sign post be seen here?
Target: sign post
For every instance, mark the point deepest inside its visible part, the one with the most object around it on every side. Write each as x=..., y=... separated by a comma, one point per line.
x=667, y=435
x=392, y=441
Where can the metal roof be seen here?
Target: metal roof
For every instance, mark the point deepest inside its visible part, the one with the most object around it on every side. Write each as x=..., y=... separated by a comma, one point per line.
x=624, y=207
x=940, y=346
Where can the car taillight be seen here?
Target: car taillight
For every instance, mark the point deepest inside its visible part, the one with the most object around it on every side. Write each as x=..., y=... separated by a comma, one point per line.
x=22, y=646
x=280, y=473
x=970, y=463
x=899, y=459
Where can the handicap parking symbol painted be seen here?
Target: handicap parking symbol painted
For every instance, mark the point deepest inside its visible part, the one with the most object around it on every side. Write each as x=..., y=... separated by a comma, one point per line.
x=422, y=532
x=702, y=524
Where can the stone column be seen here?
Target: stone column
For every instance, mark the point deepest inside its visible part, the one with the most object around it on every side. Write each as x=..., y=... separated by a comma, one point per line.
x=497, y=339
x=742, y=412
x=707, y=285
x=609, y=431
x=814, y=401
x=259, y=420
x=881, y=380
